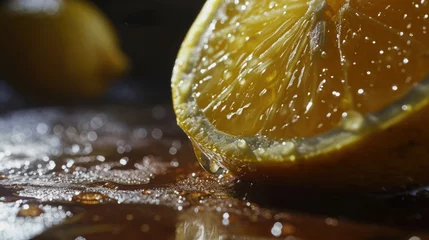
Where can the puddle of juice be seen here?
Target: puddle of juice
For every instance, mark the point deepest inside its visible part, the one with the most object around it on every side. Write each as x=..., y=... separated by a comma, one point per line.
x=115, y=172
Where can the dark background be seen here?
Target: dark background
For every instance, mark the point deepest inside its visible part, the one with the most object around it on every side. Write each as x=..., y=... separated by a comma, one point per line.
x=151, y=33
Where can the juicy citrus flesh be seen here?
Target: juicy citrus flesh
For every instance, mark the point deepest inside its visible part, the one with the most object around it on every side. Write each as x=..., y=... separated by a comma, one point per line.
x=295, y=68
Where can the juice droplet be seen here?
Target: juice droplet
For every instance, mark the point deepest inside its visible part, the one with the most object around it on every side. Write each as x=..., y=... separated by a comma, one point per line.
x=30, y=211
x=352, y=121
x=91, y=198
x=109, y=185
x=207, y=162
x=147, y=192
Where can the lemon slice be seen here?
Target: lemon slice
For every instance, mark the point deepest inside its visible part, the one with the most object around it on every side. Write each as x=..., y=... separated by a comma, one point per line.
x=58, y=51
x=318, y=93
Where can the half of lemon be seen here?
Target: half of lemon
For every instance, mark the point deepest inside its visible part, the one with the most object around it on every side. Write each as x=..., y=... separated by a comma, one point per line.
x=316, y=93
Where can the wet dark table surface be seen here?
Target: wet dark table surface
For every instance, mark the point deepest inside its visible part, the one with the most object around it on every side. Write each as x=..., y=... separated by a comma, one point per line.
x=112, y=172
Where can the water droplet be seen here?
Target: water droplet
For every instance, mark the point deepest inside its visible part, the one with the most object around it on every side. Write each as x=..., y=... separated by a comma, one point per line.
x=42, y=128
x=75, y=149
x=415, y=238
x=206, y=162
x=242, y=144
x=144, y=228
x=225, y=222
x=123, y=161
x=58, y=130
x=172, y=151
x=352, y=121
x=98, y=121
x=92, y=136
x=177, y=144
x=140, y=133
x=331, y=222
x=276, y=230
x=157, y=133
x=91, y=198
x=30, y=211
x=109, y=185
x=120, y=149
x=406, y=107
x=174, y=163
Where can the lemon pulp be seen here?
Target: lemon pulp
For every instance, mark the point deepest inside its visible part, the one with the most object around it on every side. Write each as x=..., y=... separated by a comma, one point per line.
x=294, y=68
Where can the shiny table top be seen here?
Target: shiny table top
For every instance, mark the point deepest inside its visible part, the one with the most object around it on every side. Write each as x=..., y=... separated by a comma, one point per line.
x=112, y=172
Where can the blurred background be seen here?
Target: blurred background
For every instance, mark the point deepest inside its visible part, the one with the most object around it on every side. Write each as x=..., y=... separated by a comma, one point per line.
x=150, y=33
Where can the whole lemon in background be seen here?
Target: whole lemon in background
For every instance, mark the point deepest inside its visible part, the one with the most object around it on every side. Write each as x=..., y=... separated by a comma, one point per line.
x=58, y=51
x=309, y=93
